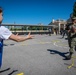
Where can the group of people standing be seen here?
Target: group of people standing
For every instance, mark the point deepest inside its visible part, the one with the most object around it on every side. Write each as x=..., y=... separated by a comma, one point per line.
x=6, y=34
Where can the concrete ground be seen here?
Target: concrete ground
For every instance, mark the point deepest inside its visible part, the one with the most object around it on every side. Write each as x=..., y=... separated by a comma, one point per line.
x=43, y=55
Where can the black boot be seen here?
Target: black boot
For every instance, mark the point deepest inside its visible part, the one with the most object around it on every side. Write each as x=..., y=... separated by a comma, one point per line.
x=69, y=56
x=75, y=48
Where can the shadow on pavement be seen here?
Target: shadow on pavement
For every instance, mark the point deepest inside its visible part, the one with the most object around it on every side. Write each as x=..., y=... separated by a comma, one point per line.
x=7, y=69
x=4, y=70
x=12, y=72
x=58, y=52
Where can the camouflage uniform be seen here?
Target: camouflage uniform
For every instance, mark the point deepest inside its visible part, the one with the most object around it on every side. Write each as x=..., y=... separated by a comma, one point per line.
x=72, y=38
x=68, y=34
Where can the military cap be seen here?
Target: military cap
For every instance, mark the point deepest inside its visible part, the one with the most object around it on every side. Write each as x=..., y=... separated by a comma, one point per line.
x=74, y=18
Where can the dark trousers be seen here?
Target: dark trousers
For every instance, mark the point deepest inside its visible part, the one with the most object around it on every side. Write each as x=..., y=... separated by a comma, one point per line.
x=1, y=52
x=49, y=33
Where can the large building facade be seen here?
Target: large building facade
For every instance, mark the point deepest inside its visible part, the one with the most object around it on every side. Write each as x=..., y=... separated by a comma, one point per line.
x=59, y=24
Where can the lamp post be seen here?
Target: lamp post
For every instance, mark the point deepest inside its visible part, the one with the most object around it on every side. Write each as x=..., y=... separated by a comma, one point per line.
x=59, y=26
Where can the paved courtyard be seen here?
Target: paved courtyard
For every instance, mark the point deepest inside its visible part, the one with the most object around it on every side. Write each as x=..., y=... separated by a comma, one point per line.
x=43, y=55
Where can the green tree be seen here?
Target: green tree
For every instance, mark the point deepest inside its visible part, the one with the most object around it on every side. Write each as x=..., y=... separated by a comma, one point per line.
x=74, y=10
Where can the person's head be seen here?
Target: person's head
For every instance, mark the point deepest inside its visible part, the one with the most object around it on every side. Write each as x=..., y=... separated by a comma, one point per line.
x=1, y=15
x=74, y=20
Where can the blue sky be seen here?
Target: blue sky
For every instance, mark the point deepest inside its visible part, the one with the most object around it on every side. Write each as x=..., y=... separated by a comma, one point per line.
x=35, y=11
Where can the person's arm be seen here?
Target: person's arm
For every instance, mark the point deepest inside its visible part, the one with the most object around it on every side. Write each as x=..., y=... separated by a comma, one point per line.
x=18, y=38
x=69, y=31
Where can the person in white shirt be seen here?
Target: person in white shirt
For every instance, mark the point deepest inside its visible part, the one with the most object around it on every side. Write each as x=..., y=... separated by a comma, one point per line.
x=5, y=33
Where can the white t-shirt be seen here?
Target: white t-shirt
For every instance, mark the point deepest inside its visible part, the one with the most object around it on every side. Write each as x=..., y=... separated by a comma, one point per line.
x=5, y=33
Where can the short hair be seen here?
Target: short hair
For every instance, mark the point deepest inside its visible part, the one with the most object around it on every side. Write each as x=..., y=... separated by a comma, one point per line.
x=1, y=10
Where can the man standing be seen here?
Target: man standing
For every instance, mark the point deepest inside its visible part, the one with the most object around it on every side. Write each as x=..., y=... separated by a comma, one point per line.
x=72, y=32
x=7, y=34
x=49, y=31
